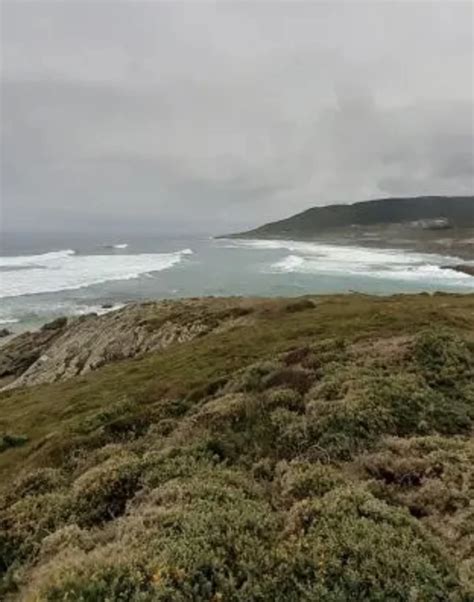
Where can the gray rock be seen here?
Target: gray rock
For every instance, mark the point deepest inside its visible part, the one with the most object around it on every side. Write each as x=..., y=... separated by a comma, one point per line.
x=66, y=348
x=56, y=324
x=463, y=268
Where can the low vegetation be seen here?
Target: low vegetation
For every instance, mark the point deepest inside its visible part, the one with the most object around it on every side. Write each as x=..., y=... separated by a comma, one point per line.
x=7, y=440
x=322, y=450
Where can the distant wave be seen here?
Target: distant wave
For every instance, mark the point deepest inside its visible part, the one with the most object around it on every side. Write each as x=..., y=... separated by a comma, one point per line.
x=271, y=245
x=408, y=269
x=343, y=253
x=120, y=245
x=9, y=320
x=351, y=260
x=35, y=260
x=65, y=270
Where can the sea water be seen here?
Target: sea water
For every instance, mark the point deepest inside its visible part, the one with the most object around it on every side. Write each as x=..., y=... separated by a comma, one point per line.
x=45, y=276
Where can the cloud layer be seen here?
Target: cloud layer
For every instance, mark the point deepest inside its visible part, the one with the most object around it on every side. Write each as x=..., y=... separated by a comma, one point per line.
x=214, y=116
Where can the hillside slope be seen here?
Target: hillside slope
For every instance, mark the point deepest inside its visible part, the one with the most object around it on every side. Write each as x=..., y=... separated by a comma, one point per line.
x=458, y=211
x=317, y=448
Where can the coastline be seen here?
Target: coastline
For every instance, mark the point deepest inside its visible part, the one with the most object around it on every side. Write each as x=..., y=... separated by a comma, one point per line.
x=461, y=249
x=270, y=270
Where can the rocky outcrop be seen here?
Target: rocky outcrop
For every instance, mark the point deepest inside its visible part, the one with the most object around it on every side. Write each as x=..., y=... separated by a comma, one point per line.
x=463, y=268
x=17, y=355
x=67, y=348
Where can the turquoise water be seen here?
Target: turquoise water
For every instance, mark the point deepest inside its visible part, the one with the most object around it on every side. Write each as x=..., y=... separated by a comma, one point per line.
x=44, y=277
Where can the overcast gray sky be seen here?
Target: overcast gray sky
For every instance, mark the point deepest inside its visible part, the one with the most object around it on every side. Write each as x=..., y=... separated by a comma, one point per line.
x=224, y=115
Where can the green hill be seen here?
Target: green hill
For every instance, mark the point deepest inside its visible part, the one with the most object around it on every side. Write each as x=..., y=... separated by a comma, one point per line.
x=456, y=211
x=304, y=449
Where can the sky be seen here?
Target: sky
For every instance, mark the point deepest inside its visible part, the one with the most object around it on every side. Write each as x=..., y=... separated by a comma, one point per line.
x=189, y=116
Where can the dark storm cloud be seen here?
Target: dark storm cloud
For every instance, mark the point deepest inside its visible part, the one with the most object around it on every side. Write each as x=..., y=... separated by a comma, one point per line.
x=219, y=116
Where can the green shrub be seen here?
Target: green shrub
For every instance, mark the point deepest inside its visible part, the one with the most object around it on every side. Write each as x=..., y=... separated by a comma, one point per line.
x=300, y=305
x=291, y=436
x=430, y=476
x=299, y=480
x=212, y=536
x=291, y=378
x=101, y=493
x=351, y=546
x=121, y=420
x=85, y=459
x=7, y=441
x=227, y=410
x=251, y=378
x=210, y=388
x=158, y=467
x=346, y=416
x=418, y=409
x=443, y=357
x=263, y=470
x=296, y=356
x=36, y=482
x=106, y=574
x=347, y=426
x=65, y=538
x=284, y=398
x=327, y=353
x=25, y=523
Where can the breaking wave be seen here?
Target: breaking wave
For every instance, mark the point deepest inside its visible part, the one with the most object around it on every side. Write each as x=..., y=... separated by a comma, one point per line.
x=64, y=270
x=34, y=260
x=344, y=260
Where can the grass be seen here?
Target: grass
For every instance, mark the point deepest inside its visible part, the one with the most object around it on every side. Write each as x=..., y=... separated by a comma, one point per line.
x=320, y=449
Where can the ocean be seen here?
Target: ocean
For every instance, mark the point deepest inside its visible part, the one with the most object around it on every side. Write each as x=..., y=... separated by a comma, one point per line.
x=46, y=276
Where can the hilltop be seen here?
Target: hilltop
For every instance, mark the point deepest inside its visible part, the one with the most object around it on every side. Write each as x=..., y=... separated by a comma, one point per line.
x=316, y=448
x=436, y=212
x=432, y=223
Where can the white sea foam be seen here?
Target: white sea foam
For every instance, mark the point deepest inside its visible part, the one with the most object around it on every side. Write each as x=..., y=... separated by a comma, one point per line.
x=401, y=272
x=291, y=263
x=339, y=260
x=35, y=260
x=63, y=270
x=343, y=253
x=82, y=310
x=9, y=320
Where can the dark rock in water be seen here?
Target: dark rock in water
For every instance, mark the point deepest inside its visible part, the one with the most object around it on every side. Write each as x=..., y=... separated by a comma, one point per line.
x=55, y=324
x=107, y=305
x=84, y=317
x=4, y=332
x=465, y=269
